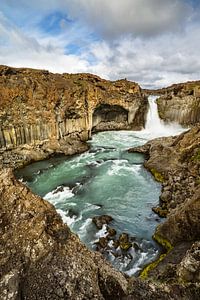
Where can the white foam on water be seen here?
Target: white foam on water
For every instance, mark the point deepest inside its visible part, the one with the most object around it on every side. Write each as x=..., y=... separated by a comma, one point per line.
x=137, y=265
x=122, y=262
x=90, y=207
x=102, y=232
x=121, y=167
x=66, y=219
x=136, y=169
x=155, y=127
x=57, y=196
x=83, y=229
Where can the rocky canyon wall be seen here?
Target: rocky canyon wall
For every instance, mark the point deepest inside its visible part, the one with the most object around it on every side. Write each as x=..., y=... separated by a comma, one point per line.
x=180, y=103
x=38, y=106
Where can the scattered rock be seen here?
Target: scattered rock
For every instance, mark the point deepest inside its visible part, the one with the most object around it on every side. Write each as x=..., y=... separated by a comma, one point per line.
x=160, y=211
x=124, y=242
x=136, y=246
x=102, y=243
x=58, y=189
x=99, y=221
x=111, y=232
x=72, y=213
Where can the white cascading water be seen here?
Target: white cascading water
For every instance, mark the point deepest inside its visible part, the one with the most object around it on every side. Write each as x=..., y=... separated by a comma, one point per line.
x=155, y=127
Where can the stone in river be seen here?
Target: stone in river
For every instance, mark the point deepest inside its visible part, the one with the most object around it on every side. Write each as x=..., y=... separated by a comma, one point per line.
x=58, y=189
x=102, y=243
x=99, y=221
x=136, y=246
x=124, y=242
x=111, y=232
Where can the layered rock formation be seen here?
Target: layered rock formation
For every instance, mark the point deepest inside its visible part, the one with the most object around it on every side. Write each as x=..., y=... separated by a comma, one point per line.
x=38, y=106
x=179, y=103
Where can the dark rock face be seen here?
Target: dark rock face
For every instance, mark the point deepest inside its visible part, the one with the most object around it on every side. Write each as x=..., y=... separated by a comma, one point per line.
x=99, y=221
x=107, y=116
x=42, y=109
x=180, y=103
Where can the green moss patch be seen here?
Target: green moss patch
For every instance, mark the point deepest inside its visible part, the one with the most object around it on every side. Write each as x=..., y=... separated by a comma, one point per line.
x=158, y=176
x=151, y=266
x=166, y=245
x=163, y=242
x=196, y=156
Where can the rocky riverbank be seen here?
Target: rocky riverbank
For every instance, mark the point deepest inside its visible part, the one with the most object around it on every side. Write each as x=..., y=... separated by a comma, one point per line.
x=42, y=259
x=175, y=162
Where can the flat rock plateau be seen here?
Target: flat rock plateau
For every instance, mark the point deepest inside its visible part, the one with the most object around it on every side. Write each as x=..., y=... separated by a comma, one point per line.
x=42, y=114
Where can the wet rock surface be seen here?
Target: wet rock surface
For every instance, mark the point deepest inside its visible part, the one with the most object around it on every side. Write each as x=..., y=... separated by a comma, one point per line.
x=99, y=221
x=120, y=246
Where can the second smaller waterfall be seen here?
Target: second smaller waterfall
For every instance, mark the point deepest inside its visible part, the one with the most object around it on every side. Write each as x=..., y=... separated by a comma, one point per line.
x=155, y=127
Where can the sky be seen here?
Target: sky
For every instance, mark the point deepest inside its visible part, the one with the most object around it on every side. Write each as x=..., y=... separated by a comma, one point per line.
x=153, y=42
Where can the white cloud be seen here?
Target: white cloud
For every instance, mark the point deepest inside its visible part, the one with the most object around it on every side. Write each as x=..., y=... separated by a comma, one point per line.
x=133, y=51
x=158, y=61
x=139, y=17
x=115, y=18
x=36, y=51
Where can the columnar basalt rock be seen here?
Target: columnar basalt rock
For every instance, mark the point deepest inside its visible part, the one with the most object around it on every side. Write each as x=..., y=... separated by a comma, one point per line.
x=38, y=106
x=179, y=103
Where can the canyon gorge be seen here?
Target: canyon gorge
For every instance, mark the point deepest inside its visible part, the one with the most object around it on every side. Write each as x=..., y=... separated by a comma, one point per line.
x=44, y=114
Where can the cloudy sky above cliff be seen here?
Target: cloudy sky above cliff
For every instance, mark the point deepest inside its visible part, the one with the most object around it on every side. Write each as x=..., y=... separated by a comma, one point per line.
x=153, y=42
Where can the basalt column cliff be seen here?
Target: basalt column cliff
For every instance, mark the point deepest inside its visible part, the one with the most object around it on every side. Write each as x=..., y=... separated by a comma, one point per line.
x=51, y=112
x=179, y=103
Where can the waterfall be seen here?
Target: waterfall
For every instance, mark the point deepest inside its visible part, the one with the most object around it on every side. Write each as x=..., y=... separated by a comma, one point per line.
x=153, y=122
x=155, y=127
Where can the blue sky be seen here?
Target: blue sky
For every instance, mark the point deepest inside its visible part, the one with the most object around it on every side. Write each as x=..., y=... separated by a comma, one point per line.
x=153, y=42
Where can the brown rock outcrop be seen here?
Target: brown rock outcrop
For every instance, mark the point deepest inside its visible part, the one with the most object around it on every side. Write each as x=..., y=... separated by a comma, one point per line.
x=180, y=103
x=38, y=106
